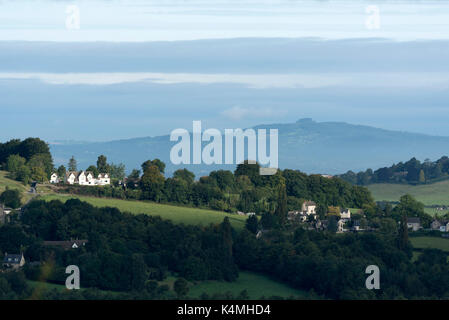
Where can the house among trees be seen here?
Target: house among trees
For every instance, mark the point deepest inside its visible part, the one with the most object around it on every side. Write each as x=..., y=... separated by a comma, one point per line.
x=442, y=226
x=345, y=214
x=340, y=226
x=13, y=261
x=414, y=223
x=308, y=208
x=54, y=178
x=83, y=178
x=66, y=245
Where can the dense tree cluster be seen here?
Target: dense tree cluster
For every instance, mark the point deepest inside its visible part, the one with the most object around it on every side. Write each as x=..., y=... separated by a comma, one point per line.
x=27, y=160
x=334, y=265
x=124, y=251
x=411, y=172
x=131, y=253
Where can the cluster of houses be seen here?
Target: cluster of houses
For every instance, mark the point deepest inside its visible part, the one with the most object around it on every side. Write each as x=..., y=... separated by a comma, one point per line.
x=308, y=213
x=82, y=178
x=414, y=224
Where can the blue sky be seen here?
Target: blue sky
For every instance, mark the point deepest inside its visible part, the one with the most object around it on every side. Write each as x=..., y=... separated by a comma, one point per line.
x=144, y=68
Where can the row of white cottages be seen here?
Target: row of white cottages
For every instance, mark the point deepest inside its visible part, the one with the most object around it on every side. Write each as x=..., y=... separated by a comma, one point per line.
x=83, y=178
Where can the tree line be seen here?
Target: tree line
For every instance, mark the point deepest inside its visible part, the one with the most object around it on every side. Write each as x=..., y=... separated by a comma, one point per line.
x=410, y=172
x=242, y=190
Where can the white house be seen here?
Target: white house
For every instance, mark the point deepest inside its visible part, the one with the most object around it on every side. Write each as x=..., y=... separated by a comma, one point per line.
x=103, y=179
x=54, y=178
x=414, y=223
x=87, y=178
x=340, y=226
x=309, y=207
x=345, y=214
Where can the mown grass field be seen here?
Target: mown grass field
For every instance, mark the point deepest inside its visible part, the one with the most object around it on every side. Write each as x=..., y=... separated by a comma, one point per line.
x=429, y=194
x=176, y=214
x=256, y=285
x=430, y=242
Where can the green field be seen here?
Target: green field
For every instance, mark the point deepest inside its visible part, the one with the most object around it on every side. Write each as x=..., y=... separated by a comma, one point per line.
x=429, y=194
x=12, y=184
x=256, y=285
x=430, y=242
x=177, y=214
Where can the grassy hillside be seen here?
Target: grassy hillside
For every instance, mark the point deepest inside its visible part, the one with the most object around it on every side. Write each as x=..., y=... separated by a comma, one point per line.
x=429, y=194
x=430, y=242
x=176, y=214
x=12, y=184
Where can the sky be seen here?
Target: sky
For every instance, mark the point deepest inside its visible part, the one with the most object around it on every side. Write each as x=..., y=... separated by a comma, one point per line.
x=106, y=70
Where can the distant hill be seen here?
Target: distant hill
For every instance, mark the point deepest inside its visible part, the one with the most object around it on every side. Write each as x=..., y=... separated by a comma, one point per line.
x=307, y=145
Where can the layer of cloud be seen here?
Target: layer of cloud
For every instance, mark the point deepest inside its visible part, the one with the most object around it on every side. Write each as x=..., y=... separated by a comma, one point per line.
x=255, y=81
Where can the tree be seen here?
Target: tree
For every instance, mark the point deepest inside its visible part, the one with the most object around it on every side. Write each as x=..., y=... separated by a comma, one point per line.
x=14, y=163
x=181, y=287
x=403, y=242
x=42, y=160
x=411, y=208
x=251, y=170
x=332, y=224
x=24, y=174
x=135, y=175
x=102, y=164
x=72, y=164
x=252, y=224
x=38, y=174
x=281, y=209
x=11, y=198
x=117, y=171
x=156, y=162
x=152, y=183
x=185, y=175
x=422, y=176
x=94, y=170
x=61, y=171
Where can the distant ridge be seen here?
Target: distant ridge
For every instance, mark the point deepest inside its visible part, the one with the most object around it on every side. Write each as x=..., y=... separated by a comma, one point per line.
x=306, y=145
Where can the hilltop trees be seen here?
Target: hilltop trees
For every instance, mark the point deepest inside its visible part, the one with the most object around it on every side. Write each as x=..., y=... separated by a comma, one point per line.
x=244, y=190
x=412, y=172
x=27, y=160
